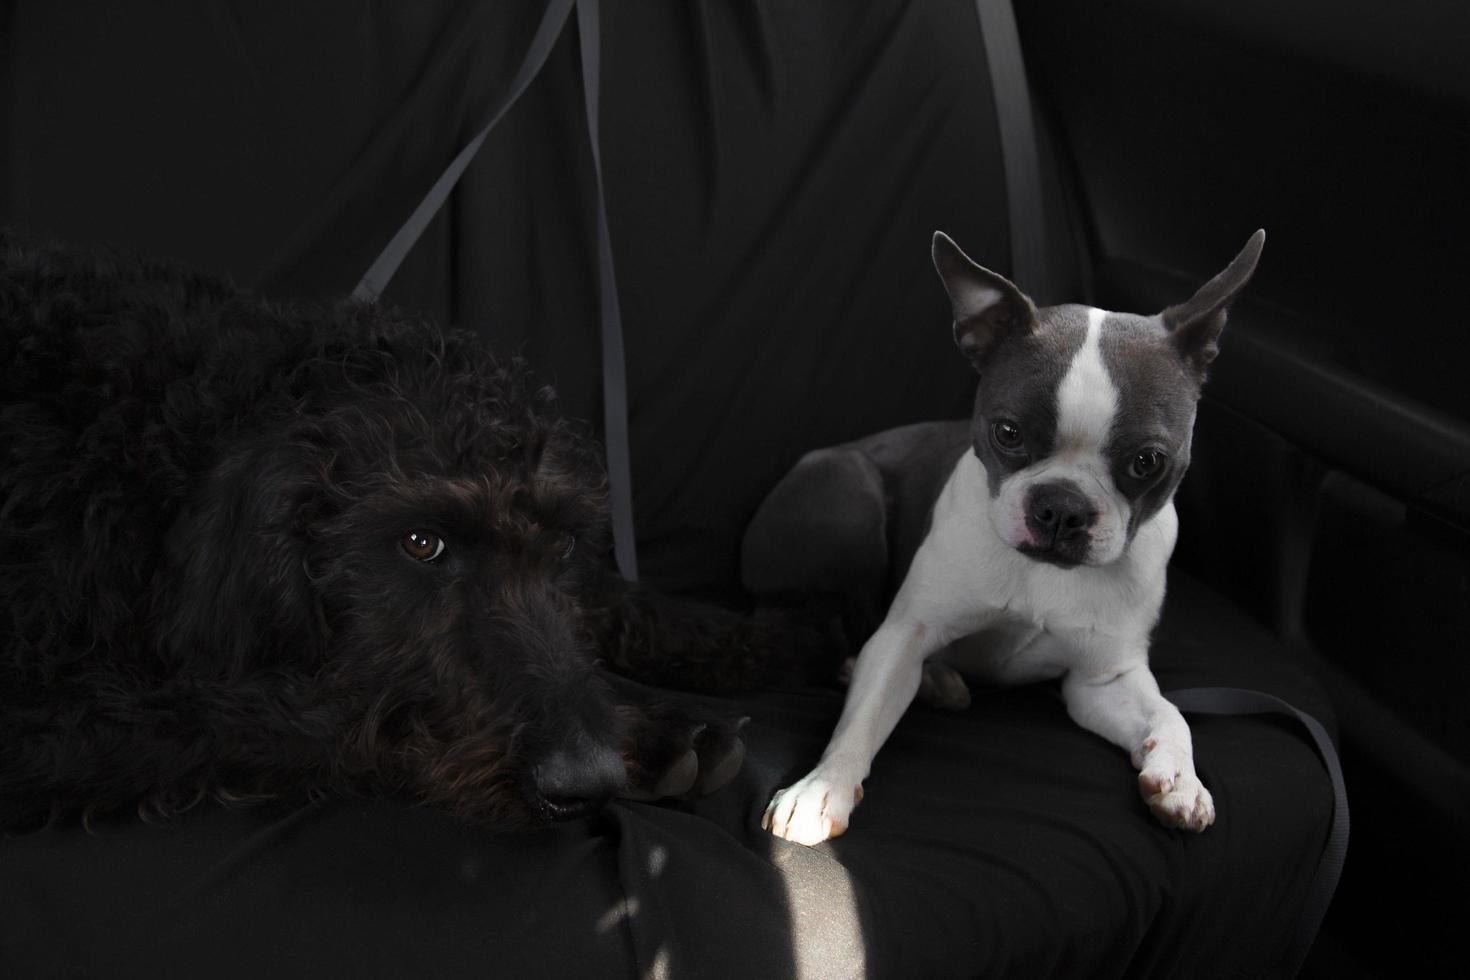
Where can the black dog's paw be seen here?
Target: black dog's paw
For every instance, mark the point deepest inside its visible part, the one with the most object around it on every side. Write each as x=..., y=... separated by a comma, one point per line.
x=721, y=753
x=677, y=746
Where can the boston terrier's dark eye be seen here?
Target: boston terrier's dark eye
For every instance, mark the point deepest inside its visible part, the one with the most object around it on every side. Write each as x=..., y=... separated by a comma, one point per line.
x=423, y=546
x=1145, y=464
x=1007, y=436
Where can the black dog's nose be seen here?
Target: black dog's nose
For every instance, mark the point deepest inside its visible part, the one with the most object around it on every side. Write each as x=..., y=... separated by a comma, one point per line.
x=571, y=783
x=1058, y=511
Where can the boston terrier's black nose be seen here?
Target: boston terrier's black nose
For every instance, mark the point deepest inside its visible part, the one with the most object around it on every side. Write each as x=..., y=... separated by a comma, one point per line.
x=1058, y=512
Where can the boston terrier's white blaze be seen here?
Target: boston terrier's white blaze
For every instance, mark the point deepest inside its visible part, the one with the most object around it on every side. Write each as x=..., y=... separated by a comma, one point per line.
x=1047, y=545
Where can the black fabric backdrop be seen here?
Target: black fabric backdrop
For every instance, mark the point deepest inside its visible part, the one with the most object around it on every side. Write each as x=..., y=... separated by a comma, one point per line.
x=774, y=173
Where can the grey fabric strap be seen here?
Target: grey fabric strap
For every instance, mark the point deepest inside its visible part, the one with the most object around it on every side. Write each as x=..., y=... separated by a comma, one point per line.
x=1030, y=265
x=1238, y=701
x=614, y=364
x=376, y=279
x=614, y=369
x=1031, y=268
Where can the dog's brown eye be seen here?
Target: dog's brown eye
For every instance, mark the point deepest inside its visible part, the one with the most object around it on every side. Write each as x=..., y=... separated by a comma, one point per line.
x=1006, y=435
x=423, y=545
x=1145, y=464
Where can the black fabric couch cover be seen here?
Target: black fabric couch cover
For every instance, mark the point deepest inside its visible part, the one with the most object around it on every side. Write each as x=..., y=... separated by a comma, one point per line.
x=774, y=172
x=1000, y=841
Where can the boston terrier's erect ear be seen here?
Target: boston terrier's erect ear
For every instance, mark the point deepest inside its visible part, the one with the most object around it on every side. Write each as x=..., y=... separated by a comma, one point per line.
x=987, y=305
x=1196, y=323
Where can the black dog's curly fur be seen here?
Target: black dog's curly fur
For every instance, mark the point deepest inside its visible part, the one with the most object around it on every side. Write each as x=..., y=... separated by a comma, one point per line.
x=210, y=508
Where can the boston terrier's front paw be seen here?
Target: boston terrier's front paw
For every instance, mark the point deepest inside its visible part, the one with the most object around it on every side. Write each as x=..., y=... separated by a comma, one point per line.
x=813, y=809
x=1173, y=792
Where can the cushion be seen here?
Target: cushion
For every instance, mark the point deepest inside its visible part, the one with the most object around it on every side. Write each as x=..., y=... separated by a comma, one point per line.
x=1001, y=840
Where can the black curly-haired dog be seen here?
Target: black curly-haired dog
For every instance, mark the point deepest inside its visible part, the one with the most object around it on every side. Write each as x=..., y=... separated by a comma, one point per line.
x=249, y=551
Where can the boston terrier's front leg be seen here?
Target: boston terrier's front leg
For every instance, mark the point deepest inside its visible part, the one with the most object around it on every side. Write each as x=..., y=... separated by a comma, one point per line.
x=884, y=682
x=1125, y=707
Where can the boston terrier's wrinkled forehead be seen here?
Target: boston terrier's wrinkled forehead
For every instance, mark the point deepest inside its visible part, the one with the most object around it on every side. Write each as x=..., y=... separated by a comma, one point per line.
x=1089, y=380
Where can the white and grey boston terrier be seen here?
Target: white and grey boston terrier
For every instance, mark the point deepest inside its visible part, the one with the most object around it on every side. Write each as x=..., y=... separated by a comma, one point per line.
x=1045, y=550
